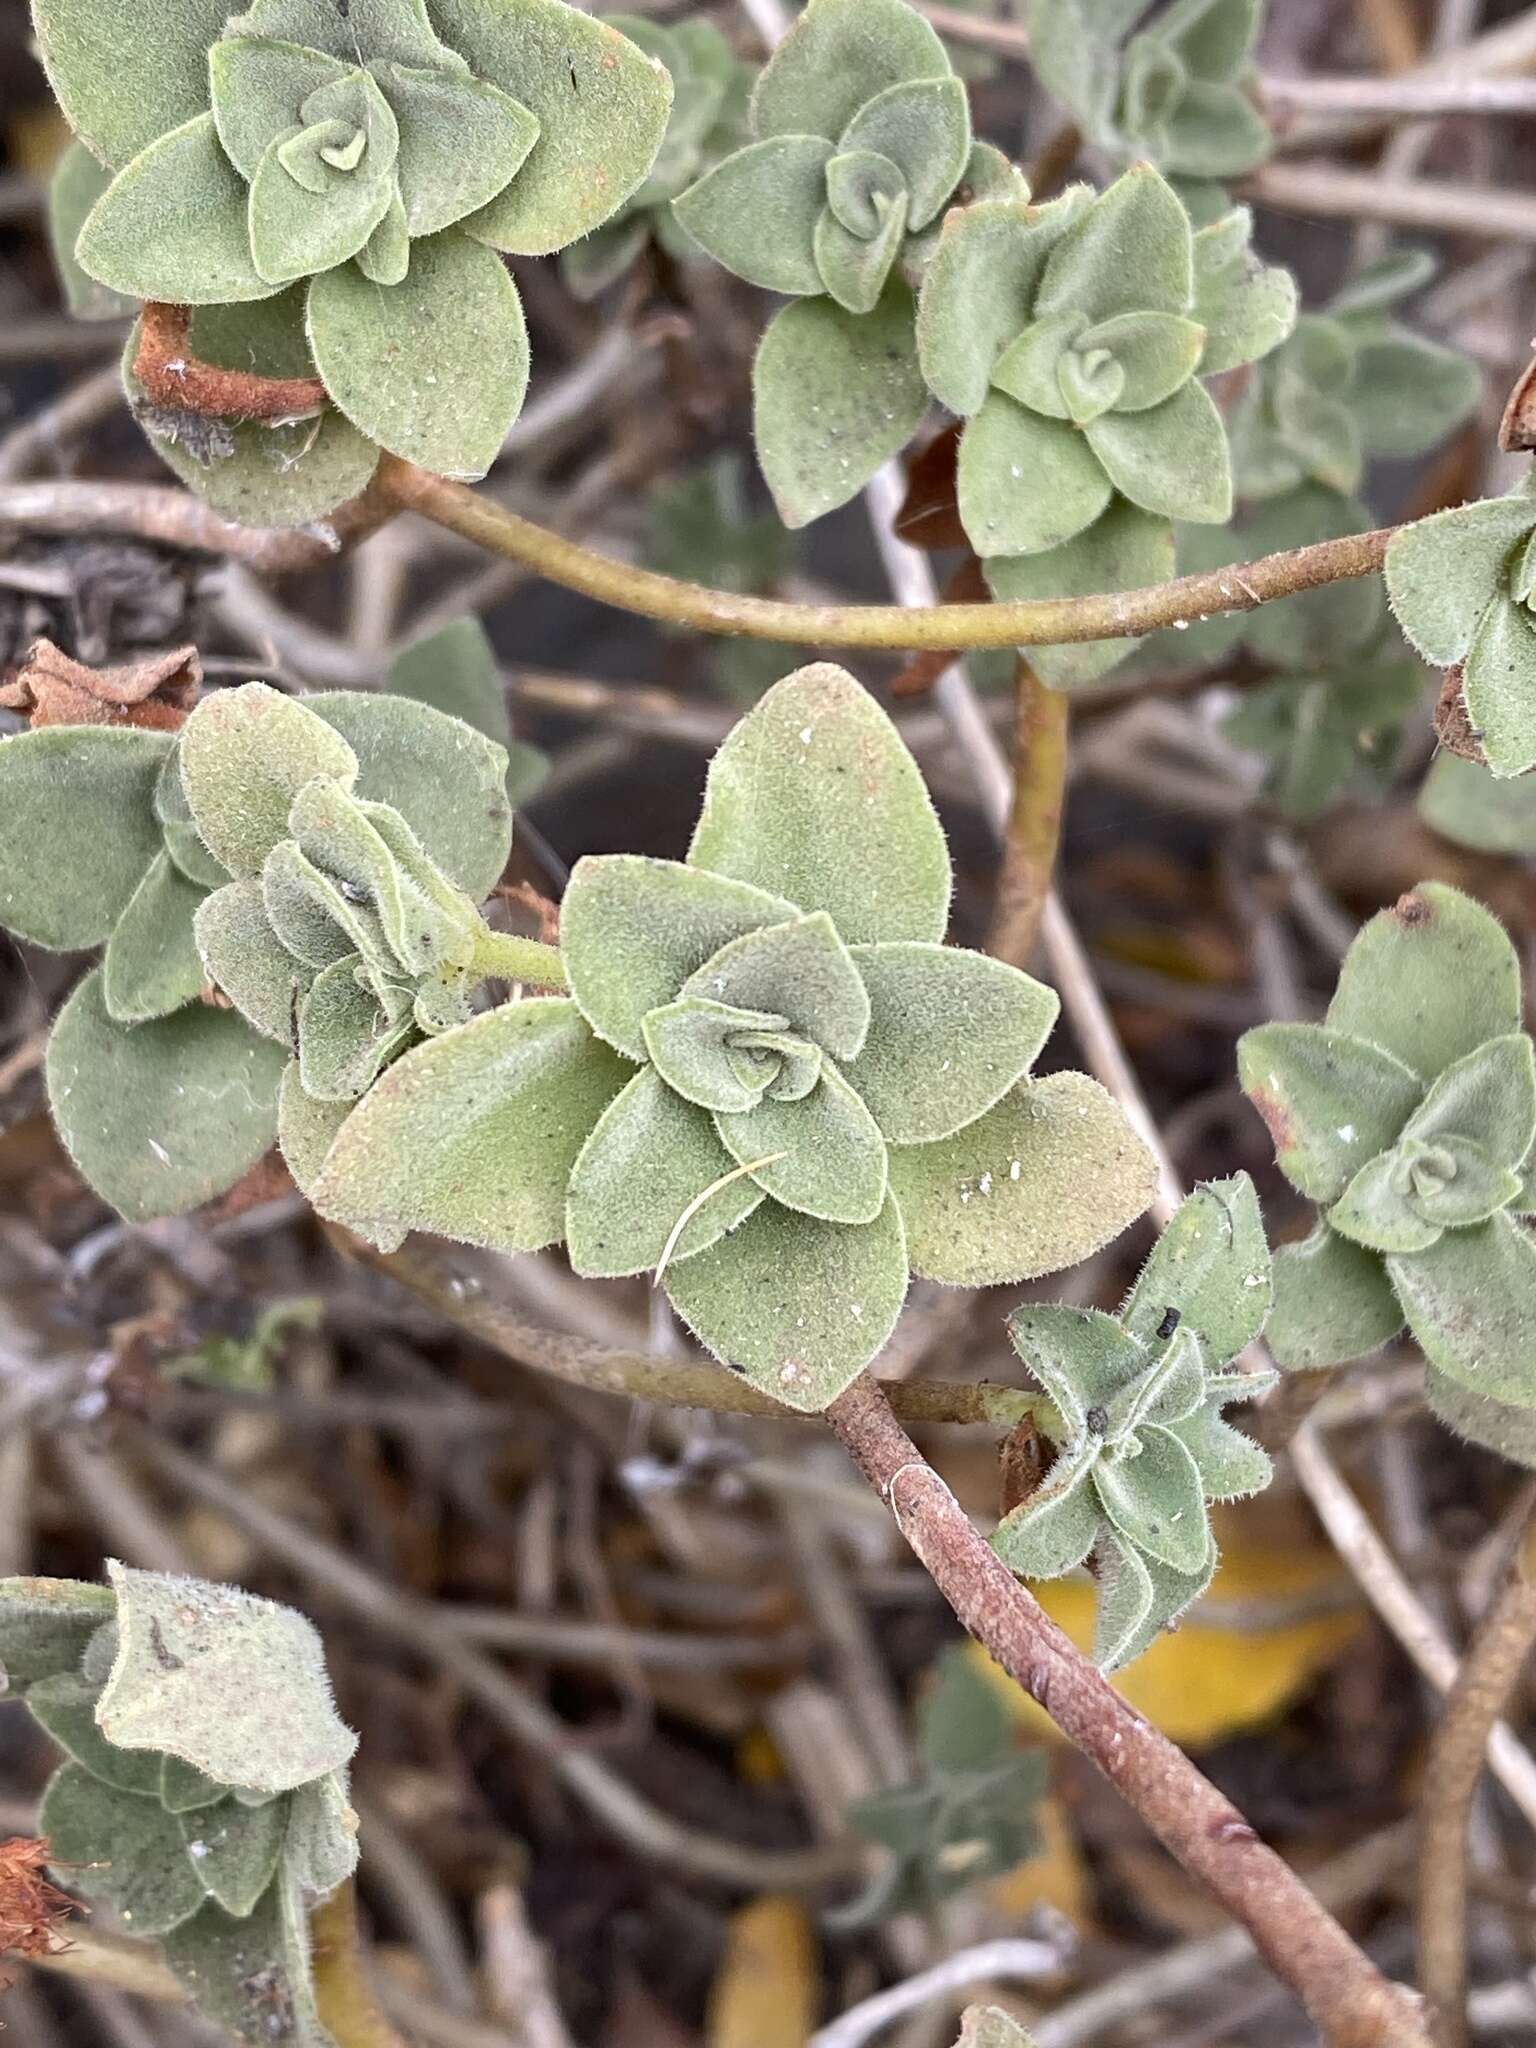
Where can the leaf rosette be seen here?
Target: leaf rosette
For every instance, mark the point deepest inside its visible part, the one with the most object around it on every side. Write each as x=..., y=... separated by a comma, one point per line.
x=863, y=137
x=1072, y=339
x=368, y=163
x=204, y=1796
x=771, y=1086
x=1179, y=93
x=1133, y=1410
x=1408, y=1116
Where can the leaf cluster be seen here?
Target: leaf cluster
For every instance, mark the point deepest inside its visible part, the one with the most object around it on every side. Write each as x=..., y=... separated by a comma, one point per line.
x=1134, y=1414
x=1072, y=339
x=1178, y=92
x=1408, y=1115
x=771, y=1085
x=204, y=1796
x=163, y=1098
x=968, y=1815
x=360, y=170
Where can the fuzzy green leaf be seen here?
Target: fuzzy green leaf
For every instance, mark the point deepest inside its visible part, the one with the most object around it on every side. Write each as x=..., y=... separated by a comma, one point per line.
x=1429, y=980
x=78, y=181
x=182, y=839
x=821, y=1155
x=122, y=1850
x=151, y=966
x=234, y=1850
x=243, y=1974
x=1489, y=1097
x=258, y=86
x=80, y=830
x=1470, y=1300
x=455, y=671
x=800, y=970
x=120, y=87
x=445, y=778
x=835, y=394
x=1442, y=572
x=756, y=212
x=462, y=141
x=64, y=1706
x=800, y=1306
x=233, y=1685
x=1408, y=393
x=321, y=1849
x=1379, y=1211
x=1052, y=1532
x=601, y=105
x=1138, y=1598
x=295, y=230
x=245, y=755
x=650, y=1157
x=1464, y=803
x=306, y=1128
x=172, y=225
x=978, y=292
x=160, y=1117
x=437, y=390
x=474, y=1134
x=815, y=797
x=346, y=1035
x=1027, y=483
x=1246, y=307
x=1509, y=1428
x=950, y=1033
x=838, y=55
x=1124, y=549
x=1155, y=1501
x=1332, y=1101
x=1212, y=1265
x=1499, y=684
x=1172, y=459
x=182, y=1789
x=1038, y=1183
x=45, y=1625
x=632, y=930
x=924, y=128
x=1333, y=1302
x=244, y=958
x=717, y=1057
x=1131, y=252
x=854, y=268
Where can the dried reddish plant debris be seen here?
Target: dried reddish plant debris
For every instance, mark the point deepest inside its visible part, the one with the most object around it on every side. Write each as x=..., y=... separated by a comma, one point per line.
x=157, y=691
x=31, y=1909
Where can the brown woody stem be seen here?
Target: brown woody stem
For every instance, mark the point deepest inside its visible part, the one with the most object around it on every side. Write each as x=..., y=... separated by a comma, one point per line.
x=1352, y=2003
x=1457, y=1758
x=1054, y=621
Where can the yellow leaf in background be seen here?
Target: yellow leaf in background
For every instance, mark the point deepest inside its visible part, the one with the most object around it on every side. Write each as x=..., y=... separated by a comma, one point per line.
x=1228, y=1666
x=1053, y=1876
x=765, y=1991
x=757, y=1759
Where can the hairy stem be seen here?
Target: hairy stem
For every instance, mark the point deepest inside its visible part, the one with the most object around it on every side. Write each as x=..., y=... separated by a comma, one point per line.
x=510, y=958
x=1457, y=1758
x=1053, y=621
x=1034, y=822
x=1353, y=2005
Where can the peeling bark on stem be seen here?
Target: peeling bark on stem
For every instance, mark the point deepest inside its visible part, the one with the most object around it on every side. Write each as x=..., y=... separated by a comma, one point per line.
x=1346, y=1995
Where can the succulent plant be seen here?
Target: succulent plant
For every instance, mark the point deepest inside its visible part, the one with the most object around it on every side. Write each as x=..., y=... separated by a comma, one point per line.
x=968, y=1815
x=1461, y=583
x=163, y=1098
x=1179, y=93
x=1134, y=1413
x=863, y=136
x=771, y=1085
x=203, y=1802
x=1071, y=338
x=1330, y=734
x=362, y=167
x=1408, y=1116
x=1351, y=383
x=711, y=86
x=346, y=935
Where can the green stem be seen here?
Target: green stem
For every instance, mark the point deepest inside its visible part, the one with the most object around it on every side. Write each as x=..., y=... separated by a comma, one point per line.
x=1053, y=621
x=508, y=958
